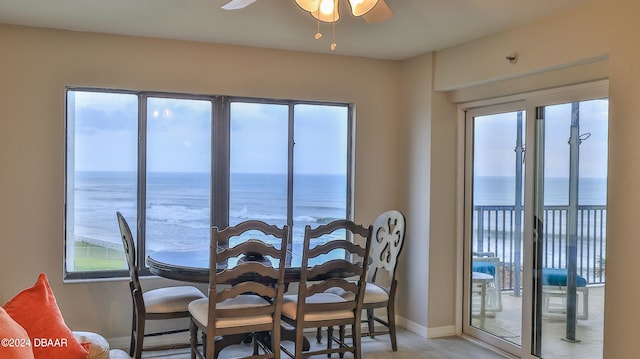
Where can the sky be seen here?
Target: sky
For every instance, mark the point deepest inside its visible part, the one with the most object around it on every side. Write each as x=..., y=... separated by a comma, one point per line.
x=495, y=141
x=179, y=135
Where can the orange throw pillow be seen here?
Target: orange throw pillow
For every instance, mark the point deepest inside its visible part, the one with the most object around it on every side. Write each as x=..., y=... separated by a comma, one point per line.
x=14, y=340
x=36, y=310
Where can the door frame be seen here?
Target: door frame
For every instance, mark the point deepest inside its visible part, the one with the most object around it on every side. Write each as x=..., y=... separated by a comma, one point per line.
x=528, y=102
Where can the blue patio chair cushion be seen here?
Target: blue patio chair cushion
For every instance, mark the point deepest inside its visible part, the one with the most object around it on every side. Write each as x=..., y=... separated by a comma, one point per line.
x=558, y=276
x=484, y=267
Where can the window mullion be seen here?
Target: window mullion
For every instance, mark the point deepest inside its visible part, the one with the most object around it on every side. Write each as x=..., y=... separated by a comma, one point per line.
x=220, y=164
x=142, y=181
x=290, y=155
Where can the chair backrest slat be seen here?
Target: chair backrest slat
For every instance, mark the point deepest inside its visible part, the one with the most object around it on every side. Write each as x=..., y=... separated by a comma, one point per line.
x=248, y=246
x=350, y=261
x=246, y=287
x=334, y=267
x=325, y=248
x=387, y=243
x=248, y=270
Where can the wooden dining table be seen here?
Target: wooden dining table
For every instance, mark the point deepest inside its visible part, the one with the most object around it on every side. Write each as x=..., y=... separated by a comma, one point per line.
x=192, y=265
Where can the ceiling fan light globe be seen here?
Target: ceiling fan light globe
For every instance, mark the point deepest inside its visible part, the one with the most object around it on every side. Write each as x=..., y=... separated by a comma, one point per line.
x=361, y=7
x=309, y=5
x=327, y=7
x=327, y=11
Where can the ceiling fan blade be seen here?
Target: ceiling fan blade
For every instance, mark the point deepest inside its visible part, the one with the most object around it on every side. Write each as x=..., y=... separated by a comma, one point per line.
x=237, y=4
x=381, y=12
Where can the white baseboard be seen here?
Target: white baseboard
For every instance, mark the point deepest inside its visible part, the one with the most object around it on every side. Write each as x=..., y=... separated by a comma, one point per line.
x=439, y=332
x=411, y=326
x=425, y=332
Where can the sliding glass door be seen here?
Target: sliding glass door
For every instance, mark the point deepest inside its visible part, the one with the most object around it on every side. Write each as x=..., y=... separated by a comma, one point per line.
x=571, y=214
x=493, y=307
x=535, y=234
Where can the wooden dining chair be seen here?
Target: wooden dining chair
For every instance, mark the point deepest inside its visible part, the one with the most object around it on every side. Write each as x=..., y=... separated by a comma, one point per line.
x=246, y=286
x=388, y=239
x=380, y=291
x=332, y=255
x=155, y=304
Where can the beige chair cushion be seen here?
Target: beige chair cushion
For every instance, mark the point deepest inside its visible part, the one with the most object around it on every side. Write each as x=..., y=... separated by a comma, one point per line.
x=170, y=299
x=199, y=310
x=117, y=354
x=99, y=345
x=290, y=305
x=372, y=294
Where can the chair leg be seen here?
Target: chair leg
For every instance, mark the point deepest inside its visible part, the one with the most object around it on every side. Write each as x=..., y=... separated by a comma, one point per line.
x=299, y=343
x=329, y=340
x=132, y=344
x=319, y=335
x=276, y=340
x=391, y=319
x=204, y=343
x=342, y=336
x=193, y=338
x=139, y=337
x=355, y=337
x=255, y=343
x=371, y=323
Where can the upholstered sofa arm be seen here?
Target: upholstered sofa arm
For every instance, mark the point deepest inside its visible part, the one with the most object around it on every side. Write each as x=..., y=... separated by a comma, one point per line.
x=99, y=346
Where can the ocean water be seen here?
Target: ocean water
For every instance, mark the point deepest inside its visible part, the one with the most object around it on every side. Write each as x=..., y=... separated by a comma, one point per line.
x=178, y=205
x=490, y=190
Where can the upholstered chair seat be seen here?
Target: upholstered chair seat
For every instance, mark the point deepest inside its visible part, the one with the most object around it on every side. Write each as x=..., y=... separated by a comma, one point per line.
x=373, y=293
x=199, y=309
x=290, y=307
x=170, y=299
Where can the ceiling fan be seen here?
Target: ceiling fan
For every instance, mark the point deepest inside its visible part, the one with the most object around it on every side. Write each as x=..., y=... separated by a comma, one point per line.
x=376, y=10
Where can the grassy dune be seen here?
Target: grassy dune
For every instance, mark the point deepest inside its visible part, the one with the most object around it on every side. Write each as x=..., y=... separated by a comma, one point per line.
x=89, y=257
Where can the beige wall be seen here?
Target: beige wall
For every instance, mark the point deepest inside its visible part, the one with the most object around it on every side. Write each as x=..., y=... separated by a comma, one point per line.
x=416, y=166
x=565, y=40
x=35, y=67
x=621, y=311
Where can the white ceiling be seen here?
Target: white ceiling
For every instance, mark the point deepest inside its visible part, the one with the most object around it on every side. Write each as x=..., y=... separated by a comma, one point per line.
x=419, y=26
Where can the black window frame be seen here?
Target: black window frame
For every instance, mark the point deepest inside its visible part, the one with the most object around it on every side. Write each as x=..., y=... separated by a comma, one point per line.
x=219, y=170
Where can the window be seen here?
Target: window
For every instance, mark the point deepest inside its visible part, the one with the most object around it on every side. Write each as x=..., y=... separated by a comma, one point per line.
x=175, y=165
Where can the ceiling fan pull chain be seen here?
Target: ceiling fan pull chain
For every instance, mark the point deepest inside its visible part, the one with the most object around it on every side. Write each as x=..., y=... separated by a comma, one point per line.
x=318, y=34
x=333, y=38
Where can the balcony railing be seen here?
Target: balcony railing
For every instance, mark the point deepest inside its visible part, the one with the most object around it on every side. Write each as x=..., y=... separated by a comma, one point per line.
x=495, y=231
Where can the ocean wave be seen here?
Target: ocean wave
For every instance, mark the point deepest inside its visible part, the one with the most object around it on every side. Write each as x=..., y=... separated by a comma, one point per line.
x=192, y=217
x=319, y=220
x=245, y=214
